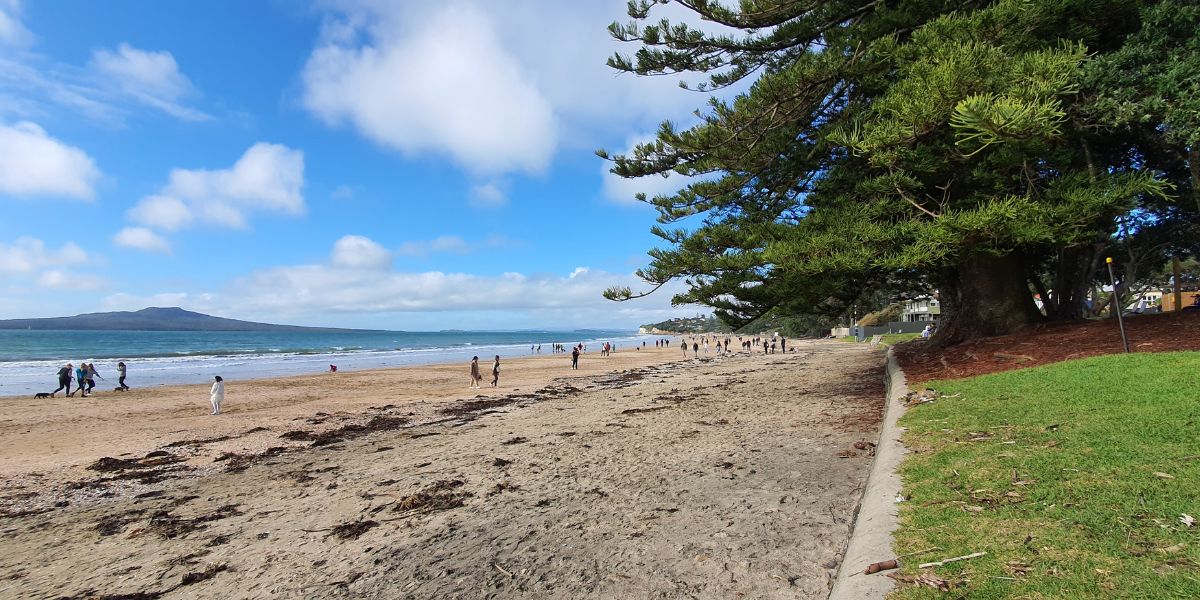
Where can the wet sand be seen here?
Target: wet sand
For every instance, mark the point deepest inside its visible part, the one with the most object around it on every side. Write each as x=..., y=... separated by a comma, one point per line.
x=641, y=475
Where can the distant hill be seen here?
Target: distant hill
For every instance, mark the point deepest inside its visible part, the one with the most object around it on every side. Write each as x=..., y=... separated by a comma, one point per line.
x=687, y=325
x=151, y=319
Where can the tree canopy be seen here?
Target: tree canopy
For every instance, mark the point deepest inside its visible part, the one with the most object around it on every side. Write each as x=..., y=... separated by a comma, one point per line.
x=987, y=150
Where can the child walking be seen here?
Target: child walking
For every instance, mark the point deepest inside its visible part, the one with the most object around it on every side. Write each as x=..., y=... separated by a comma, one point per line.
x=217, y=395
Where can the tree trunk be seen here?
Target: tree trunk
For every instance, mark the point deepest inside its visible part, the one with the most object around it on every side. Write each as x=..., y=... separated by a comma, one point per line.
x=1072, y=278
x=1194, y=167
x=984, y=296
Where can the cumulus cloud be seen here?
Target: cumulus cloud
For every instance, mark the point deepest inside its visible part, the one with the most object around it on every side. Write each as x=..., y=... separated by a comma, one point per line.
x=358, y=252
x=267, y=178
x=439, y=83
x=317, y=289
x=140, y=238
x=29, y=255
x=152, y=78
x=34, y=164
x=330, y=293
x=164, y=212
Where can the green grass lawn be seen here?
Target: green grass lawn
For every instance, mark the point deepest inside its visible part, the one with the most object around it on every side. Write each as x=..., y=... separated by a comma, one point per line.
x=888, y=338
x=896, y=338
x=1072, y=477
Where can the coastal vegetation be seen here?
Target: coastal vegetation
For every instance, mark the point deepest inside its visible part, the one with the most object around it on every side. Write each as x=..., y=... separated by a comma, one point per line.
x=986, y=150
x=688, y=325
x=1078, y=479
x=790, y=325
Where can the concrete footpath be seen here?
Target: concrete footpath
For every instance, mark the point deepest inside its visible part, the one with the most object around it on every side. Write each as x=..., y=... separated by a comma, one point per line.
x=871, y=539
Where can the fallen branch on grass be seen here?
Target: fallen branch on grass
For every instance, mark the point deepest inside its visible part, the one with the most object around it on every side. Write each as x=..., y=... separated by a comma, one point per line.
x=950, y=560
x=882, y=565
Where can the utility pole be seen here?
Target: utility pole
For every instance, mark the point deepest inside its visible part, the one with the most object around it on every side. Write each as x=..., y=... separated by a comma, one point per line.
x=1116, y=303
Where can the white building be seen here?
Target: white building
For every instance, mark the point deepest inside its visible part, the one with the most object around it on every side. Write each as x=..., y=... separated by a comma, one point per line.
x=923, y=308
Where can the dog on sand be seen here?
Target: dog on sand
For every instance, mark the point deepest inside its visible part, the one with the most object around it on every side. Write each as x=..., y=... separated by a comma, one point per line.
x=42, y=395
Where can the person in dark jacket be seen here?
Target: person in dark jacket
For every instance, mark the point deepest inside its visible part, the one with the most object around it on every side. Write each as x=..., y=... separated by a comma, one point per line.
x=64, y=380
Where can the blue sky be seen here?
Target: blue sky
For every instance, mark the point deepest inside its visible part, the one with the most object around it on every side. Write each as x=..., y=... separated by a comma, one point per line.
x=361, y=163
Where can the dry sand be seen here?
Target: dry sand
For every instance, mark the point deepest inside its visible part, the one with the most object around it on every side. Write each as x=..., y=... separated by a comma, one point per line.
x=639, y=476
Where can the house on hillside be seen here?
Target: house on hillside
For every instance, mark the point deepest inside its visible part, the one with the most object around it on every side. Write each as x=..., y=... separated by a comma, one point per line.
x=921, y=309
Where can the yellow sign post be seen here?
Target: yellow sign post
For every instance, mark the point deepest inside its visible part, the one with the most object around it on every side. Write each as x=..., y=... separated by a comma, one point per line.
x=1116, y=303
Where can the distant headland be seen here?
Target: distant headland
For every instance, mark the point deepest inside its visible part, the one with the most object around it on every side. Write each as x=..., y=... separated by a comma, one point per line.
x=152, y=319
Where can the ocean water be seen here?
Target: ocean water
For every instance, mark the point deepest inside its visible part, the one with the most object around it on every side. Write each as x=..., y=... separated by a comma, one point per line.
x=29, y=360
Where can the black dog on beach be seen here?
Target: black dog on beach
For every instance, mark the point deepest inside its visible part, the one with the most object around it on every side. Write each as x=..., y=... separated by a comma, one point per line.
x=42, y=395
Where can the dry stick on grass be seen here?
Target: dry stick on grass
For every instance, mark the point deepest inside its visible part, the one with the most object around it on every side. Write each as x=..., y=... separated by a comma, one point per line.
x=950, y=560
x=883, y=565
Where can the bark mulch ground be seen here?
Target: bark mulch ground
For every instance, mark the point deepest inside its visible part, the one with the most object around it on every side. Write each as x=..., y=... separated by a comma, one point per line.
x=1048, y=343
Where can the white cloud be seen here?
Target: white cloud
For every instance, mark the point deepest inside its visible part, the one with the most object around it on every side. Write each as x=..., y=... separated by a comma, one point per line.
x=267, y=178
x=29, y=255
x=530, y=299
x=64, y=280
x=625, y=191
x=496, y=86
x=34, y=164
x=358, y=252
x=12, y=32
x=151, y=77
x=439, y=82
x=488, y=195
x=124, y=301
x=164, y=212
x=140, y=238
x=330, y=293
x=112, y=86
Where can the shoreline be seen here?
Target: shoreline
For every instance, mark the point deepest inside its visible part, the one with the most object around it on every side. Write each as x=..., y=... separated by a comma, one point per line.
x=163, y=362
x=110, y=423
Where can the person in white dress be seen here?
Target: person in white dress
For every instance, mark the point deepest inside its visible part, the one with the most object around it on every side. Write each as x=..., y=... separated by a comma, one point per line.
x=217, y=395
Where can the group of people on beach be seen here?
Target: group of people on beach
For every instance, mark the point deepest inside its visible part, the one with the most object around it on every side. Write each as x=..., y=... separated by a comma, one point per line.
x=769, y=345
x=476, y=377
x=84, y=377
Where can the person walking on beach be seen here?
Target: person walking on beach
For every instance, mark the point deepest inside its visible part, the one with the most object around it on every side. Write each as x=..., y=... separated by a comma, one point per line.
x=695, y=349
x=81, y=379
x=64, y=380
x=575, y=358
x=92, y=374
x=475, y=376
x=217, y=395
x=496, y=372
x=121, y=377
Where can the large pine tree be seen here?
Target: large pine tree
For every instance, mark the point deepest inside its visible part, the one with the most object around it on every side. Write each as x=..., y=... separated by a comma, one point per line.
x=958, y=145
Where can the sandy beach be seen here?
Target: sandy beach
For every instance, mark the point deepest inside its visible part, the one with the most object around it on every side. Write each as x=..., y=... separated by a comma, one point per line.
x=641, y=475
